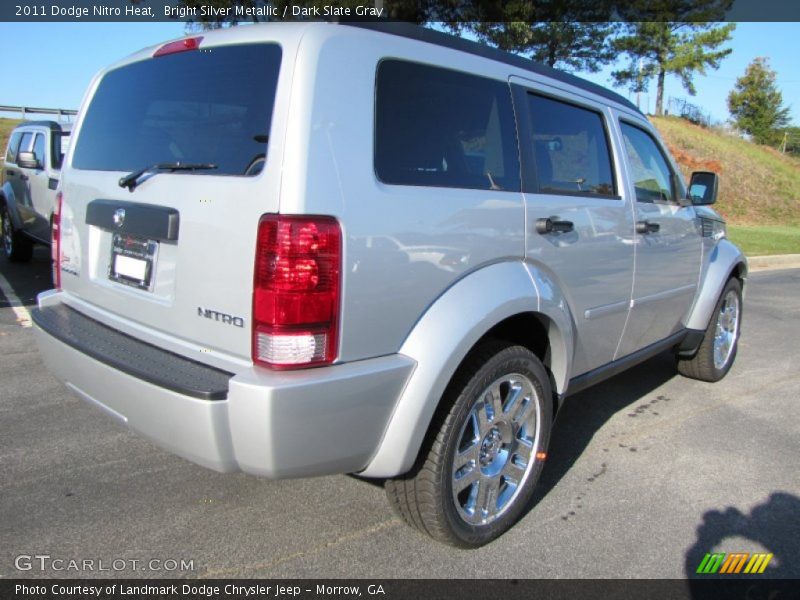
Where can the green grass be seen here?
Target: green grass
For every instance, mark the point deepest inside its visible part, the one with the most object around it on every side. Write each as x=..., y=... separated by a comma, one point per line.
x=766, y=239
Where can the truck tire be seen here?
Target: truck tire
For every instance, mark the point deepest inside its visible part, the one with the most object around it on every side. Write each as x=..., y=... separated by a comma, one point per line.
x=717, y=351
x=16, y=246
x=485, y=451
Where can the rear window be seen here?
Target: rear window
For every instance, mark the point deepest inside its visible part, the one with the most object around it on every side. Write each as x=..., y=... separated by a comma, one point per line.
x=437, y=127
x=208, y=106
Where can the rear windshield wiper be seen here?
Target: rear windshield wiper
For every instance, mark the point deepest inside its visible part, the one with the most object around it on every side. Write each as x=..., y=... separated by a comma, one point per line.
x=131, y=181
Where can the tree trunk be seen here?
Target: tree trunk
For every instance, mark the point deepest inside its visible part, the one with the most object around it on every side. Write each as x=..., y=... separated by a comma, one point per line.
x=660, y=93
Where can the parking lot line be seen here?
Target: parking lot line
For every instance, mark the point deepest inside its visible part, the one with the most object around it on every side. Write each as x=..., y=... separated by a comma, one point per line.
x=23, y=316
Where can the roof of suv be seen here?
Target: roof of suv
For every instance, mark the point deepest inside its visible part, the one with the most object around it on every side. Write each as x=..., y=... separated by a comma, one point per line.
x=424, y=34
x=51, y=125
x=406, y=30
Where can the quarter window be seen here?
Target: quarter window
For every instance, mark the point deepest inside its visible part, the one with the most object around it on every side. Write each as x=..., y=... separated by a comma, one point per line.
x=652, y=176
x=570, y=149
x=437, y=127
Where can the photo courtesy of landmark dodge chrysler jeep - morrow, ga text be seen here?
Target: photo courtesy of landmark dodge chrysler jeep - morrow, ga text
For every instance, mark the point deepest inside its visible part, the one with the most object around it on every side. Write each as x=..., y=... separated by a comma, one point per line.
x=30, y=177
x=373, y=249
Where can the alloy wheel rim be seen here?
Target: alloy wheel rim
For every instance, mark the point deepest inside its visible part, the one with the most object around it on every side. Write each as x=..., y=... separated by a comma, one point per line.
x=496, y=449
x=727, y=330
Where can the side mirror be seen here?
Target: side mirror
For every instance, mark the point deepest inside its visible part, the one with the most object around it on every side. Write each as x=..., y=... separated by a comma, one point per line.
x=703, y=188
x=28, y=160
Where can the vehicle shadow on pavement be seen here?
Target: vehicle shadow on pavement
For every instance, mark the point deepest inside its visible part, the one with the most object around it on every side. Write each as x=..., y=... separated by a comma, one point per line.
x=584, y=414
x=26, y=279
x=773, y=525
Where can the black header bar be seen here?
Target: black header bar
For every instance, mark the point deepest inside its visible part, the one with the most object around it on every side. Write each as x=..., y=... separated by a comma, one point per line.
x=248, y=11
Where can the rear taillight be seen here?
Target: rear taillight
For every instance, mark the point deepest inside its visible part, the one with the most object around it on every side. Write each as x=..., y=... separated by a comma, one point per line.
x=55, y=241
x=296, y=291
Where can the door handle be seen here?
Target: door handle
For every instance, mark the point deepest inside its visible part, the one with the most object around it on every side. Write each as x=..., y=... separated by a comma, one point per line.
x=645, y=227
x=23, y=177
x=552, y=224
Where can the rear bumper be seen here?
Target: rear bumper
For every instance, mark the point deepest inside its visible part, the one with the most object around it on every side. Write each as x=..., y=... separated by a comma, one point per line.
x=275, y=424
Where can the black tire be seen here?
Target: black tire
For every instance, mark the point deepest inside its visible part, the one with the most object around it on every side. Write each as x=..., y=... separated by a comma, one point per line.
x=425, y=496
x=16, y=246
x=704, y=365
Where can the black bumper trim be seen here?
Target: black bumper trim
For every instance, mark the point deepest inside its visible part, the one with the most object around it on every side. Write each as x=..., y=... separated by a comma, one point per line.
x=129, y=355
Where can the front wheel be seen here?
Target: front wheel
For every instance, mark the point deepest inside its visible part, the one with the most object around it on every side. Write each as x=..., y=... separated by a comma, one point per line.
x=477, y=472
x=16, y=247
x=717, y=351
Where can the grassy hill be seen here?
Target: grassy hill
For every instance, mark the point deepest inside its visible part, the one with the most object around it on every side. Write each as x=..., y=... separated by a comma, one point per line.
x=759, y=187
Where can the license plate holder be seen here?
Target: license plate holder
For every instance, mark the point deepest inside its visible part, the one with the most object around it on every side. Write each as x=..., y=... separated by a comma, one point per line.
x=133, y=261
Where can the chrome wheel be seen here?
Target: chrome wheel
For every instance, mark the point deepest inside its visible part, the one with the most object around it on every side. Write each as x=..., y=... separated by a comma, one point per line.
x=496, y=449
x=485, y=450
x=727, y=329
x=715, y=355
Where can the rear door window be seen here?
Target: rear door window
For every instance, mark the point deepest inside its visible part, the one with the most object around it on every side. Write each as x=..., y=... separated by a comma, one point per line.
x=209, y=106
x=438, y=127
x=570, y=149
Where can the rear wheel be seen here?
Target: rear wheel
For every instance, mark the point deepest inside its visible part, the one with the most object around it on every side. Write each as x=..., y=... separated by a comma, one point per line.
x=717, y=351
x=484, y=456
x=16, y=246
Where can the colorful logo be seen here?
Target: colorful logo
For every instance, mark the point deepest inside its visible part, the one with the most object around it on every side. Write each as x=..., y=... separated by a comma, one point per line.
x=734, y=563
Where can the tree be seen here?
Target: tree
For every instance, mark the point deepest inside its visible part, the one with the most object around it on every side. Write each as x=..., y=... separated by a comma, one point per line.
x=573, y=46
x=570, y=34
x=674, y=36
x=756, y=104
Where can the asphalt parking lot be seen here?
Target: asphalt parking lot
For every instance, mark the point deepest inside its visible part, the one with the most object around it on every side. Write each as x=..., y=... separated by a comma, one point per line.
x=646, y=473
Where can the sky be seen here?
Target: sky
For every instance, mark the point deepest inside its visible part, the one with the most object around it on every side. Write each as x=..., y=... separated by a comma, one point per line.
x=779, y=42
x=71, y=53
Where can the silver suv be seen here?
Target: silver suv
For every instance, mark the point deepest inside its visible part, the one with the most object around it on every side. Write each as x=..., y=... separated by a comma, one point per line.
x=312, y=248
x=30, y=177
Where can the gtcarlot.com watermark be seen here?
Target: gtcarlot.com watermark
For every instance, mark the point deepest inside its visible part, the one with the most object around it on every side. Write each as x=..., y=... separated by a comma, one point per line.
x=46, y=562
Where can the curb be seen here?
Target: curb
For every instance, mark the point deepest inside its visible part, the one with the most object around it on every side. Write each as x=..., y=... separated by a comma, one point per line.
x=776, y=261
